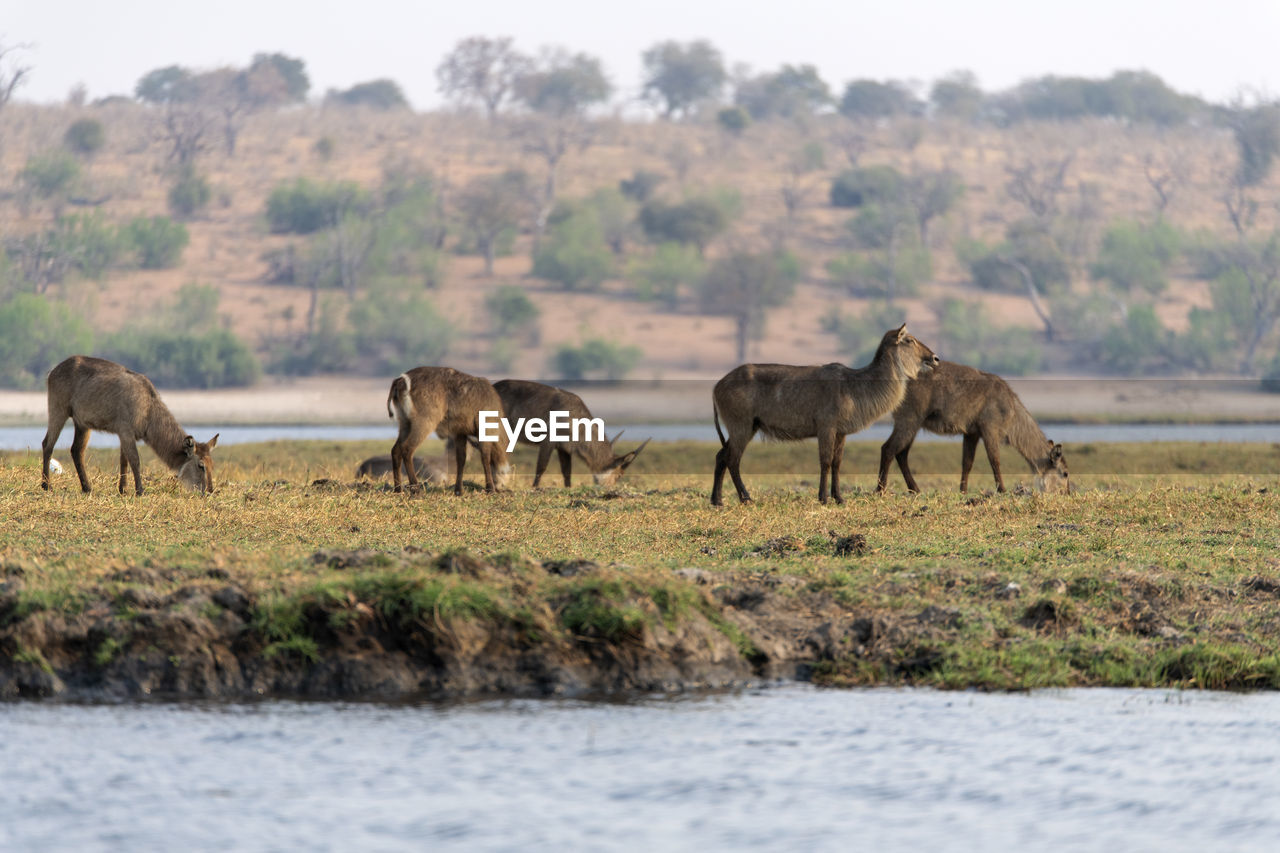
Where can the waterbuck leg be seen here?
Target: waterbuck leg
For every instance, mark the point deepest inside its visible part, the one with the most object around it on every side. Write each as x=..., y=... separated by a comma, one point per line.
x=912, y=487
x=826, y=447
x=46, y=448
x=992, y=444
x=566, y=466
x=722, y=463
x=460, y=461
x=896, y=445
x=544, y=457
x=735, y=462
x=129, y=453
x=78, y=443
x=966, y=458
x=124, y=468
x=837, y=456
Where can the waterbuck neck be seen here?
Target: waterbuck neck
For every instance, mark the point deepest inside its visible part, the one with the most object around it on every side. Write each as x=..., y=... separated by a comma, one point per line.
x=164, y=435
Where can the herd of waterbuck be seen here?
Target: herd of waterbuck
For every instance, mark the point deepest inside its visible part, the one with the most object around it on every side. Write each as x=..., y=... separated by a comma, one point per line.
x=783, y=402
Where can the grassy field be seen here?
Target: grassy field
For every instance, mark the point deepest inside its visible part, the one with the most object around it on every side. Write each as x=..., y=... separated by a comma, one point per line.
x=1162, y=568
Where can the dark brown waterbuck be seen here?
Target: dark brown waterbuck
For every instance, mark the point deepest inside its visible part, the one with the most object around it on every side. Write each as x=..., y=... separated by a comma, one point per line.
x=830, y=401
x=954, y=399
x=448, y=402
x=99, y=394
x=524, y=399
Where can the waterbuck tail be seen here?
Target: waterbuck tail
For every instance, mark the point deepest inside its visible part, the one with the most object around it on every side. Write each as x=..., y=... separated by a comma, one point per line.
x=398, y=400
x=715, y=415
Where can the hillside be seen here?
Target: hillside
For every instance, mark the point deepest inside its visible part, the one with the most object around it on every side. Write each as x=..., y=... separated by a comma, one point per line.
x=1108, y=176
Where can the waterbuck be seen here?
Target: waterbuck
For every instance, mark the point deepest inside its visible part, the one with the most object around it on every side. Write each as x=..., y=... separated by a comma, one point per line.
x=829, y=401
x=524, y=399
x=448, y=402
x=431, y=471
x=955, y=399
x=100, y=394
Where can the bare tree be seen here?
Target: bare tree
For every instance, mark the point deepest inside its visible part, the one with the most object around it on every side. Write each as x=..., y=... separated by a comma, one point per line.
x=12, y=73
x=490, y=205
x=1037, y=184
x=1166, y=174
x=484, y=70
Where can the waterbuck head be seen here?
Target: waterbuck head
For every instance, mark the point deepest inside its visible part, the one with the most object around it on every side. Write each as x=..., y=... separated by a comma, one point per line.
x=612, y=472
x=1052, y=475
x=906, y=352
x=196, y=473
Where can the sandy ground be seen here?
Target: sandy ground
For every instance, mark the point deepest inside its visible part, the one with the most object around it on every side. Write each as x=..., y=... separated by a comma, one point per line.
x=348, y=400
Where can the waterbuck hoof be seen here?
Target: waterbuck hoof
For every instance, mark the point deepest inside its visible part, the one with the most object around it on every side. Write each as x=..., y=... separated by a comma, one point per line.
x=839, y=500
x=44, y=485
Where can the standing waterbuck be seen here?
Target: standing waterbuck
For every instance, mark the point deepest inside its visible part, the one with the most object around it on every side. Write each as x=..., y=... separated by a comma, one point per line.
x=524, y=399
x=955, y=399
x=100, y=394
x=829, y=401
x=448, y=402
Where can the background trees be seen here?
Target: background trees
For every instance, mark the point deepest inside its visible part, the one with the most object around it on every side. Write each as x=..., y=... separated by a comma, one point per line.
x=483, y=70
x=678, y=76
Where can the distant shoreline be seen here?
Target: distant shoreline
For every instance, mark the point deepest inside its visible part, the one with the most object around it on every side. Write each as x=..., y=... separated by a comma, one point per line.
x=357, y=401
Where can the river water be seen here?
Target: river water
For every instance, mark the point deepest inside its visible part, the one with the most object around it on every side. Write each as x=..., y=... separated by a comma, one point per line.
x=784, y=768
x=29, y=438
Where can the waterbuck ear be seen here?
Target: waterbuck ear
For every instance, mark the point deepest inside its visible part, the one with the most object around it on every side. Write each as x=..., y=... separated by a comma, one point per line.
x=213, y=442
x=902, y=333
x=623, y=461
x=189, y=446
x=1056, y=453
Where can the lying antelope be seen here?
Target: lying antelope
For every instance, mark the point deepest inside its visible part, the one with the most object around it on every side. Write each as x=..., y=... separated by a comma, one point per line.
x=954, y=399
x=448, y=402
x=524, y=399
x=435, y=472
x=99, y=394
x=790, y=403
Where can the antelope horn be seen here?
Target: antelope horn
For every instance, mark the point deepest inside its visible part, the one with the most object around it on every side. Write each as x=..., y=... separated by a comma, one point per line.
x=613, y=440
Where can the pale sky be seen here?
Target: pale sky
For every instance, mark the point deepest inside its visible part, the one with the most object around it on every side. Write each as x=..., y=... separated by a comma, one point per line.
x=1212, y=49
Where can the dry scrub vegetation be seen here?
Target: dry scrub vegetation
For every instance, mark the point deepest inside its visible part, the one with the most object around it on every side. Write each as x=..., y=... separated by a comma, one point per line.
x=1163, y=568
x=1110, y=168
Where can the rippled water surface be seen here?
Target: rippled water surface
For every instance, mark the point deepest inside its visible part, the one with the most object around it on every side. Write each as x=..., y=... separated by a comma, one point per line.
x=785, y=769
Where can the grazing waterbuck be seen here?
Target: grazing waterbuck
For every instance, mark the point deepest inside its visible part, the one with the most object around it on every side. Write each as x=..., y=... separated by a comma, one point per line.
x=790, y=403
x=448, y=402
x=954, y=399
x=524, y=399
x=99, y=394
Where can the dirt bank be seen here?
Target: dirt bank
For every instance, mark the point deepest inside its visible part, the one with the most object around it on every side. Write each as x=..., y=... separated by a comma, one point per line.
x=450, y=626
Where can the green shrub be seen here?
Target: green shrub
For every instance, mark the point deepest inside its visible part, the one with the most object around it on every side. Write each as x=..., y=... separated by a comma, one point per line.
x=381, y=94
x=35, y=334
x=867, y=185
x=158, y=240
x=1136, y=344
x=510, y=310
x=391, y=329
x=189, y=194
x=967, y=335
x=859, y=334
x=93, y=244
x=882, y=275
x=173, y=359
x=51, y=173
x=328, y=349
x=696, y=221
x=1134, y=256
x=595, y=356
x=85, y=136
x=1271, y=375
x=640, y=186
x=1026, y=243
x=734, y=119
x=661, y=277
x=575, y=255
x=304, y=207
